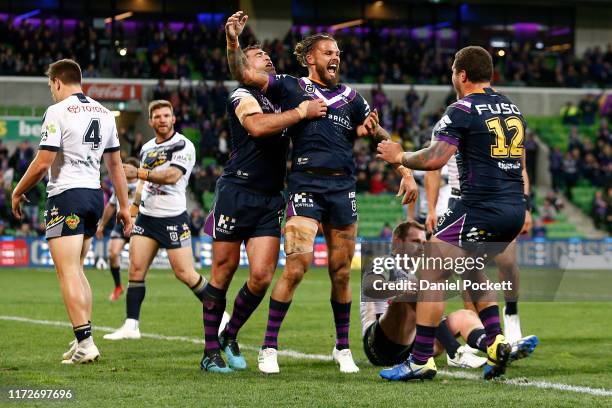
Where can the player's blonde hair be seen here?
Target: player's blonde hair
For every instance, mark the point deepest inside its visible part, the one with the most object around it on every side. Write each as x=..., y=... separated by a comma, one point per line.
x=66, y=70
x=304, y=47
x=158, y=104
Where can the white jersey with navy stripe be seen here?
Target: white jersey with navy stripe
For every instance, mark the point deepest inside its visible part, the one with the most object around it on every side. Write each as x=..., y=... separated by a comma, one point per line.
x=80, y=130
x=167, y=200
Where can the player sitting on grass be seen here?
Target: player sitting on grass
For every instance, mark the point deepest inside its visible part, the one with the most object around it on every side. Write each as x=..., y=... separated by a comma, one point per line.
x=389, y=327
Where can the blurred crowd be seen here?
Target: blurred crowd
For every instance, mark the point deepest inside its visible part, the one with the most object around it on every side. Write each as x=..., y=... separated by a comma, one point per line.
x=155, y=50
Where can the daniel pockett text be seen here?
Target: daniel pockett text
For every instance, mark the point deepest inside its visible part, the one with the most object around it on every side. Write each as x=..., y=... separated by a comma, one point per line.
x=407, y=274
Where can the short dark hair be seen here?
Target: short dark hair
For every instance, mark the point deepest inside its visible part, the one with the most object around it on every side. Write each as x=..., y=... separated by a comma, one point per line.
x=401, y=230
x=304, y=47
x=66, y=70
x=251, y=47
x=476, y=62
x=133, y=161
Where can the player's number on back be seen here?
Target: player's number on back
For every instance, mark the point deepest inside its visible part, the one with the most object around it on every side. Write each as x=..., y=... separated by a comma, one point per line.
x=92, y=134
x=500, y=149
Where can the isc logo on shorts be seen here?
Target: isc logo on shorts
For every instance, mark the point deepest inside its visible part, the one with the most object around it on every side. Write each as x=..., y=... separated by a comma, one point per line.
x=302, y=200
x=226, y=224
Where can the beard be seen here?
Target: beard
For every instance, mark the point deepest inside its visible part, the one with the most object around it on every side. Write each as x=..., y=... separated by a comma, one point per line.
x=325, y=76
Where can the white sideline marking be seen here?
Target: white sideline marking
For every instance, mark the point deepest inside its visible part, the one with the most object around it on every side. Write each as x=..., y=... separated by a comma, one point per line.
x=521, y=382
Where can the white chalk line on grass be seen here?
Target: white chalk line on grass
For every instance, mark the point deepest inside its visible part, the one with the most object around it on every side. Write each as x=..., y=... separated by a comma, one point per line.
x=521, y=382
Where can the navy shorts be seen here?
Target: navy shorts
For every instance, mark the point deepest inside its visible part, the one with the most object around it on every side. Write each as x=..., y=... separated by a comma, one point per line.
x=169, y=232
x=239, y=214
x=73, y=212
x=117, y=232
x=487, y=227
x=337, y=209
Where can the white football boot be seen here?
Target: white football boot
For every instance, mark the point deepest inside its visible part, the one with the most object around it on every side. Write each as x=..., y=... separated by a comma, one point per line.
x=344, y=358
x=267, y=361
x=85, y=352
x=464, y=358
x=129, y=330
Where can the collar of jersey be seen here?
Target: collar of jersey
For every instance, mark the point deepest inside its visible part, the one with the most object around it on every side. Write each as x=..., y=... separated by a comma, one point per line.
x=167, y=140
x=322, y=85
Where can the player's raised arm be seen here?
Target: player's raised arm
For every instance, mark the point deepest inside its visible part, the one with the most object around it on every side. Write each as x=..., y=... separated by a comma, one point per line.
x=238, y=64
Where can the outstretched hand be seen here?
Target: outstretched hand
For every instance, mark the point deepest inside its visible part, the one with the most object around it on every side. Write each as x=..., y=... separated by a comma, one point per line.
x=235, y=25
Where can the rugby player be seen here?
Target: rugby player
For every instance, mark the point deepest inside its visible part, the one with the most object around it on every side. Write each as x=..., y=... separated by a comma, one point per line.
x=248, y=208
x=506, y=261
x=162, y=221
x=487, y=130
x=388, y=326
x=77, y=132
x=117, y=238
x=321, y=182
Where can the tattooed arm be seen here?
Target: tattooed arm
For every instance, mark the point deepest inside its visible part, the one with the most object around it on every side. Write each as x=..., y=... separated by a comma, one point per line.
x=433, y=157
x=238, y=63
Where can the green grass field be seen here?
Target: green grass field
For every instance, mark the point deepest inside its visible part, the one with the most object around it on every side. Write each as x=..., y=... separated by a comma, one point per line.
x=575, y=350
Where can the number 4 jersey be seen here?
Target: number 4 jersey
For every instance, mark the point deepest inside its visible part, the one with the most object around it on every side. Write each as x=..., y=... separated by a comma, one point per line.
x=80, y=130
x=488, y=130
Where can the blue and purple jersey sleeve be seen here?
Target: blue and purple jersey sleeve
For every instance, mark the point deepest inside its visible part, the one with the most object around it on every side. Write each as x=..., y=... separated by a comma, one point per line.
x=454, y=124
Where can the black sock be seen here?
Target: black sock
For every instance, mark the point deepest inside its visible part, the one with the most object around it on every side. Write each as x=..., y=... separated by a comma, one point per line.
x=133, y=300
x=198, y=288
x=476, y=339
x=448, y=340
x=82, y=332
x=116, y=275
x=511, y=308
x=213, y=307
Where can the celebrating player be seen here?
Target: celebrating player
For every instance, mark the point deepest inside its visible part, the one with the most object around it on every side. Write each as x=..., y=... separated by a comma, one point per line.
x=248, y=208
x=76, y=133
x=321, y=182
x=117, y=238
x=486, y=130
x=506, y=261
x=166, y=163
